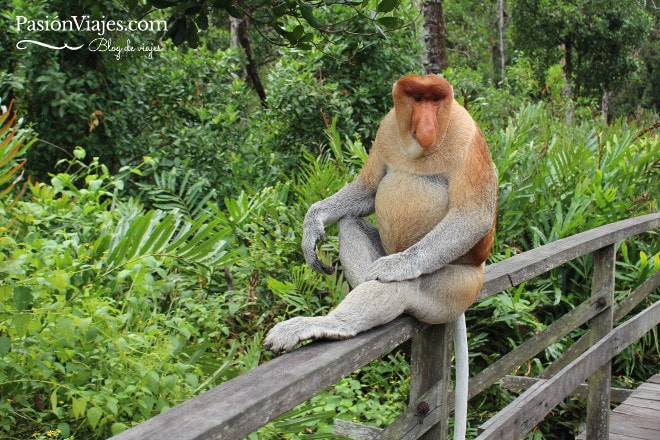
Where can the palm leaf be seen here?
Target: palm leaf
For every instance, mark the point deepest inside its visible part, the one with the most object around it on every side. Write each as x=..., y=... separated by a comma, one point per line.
x=169, y=235
x=189, y=194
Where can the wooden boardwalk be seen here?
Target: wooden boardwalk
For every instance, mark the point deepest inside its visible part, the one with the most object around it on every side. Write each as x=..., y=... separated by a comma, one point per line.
x=638, y=417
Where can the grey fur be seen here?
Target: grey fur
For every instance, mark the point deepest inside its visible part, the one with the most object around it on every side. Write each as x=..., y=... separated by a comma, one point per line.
x=352, y=199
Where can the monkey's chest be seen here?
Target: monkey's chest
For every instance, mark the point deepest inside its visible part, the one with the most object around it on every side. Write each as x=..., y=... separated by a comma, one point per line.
x=408, y=206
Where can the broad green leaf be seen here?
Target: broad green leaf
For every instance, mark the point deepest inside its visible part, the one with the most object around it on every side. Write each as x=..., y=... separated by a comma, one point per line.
x=65, y=429
x=306, y=10
x=94, y=414
x=5, y=292
x=68, y=329
x=59, y=279
x=21, y=323
x=390, y=22
x=5, y=345
x=22, y=298
x=78, y=406
x=153, y=382
x=387, y=5
x=53, y=400
x=118, y=427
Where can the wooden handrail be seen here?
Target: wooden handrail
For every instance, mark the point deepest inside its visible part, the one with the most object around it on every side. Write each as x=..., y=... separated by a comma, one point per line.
x=239, y=406
x=530, y=264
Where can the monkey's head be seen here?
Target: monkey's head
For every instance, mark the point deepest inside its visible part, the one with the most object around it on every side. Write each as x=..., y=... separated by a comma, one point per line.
x=422, y=107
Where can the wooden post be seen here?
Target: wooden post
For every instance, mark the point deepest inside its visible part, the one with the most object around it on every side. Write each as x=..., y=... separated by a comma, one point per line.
x=598, y=400
x=431, y=363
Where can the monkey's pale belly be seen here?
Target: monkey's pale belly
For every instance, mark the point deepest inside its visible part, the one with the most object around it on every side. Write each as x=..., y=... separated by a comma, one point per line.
x=408, y=207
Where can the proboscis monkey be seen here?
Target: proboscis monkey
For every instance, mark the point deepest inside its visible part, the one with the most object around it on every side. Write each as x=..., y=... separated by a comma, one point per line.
x=431, y=181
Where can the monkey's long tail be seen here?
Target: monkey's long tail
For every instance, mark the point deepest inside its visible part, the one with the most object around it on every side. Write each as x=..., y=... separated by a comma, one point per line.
x=462, y=374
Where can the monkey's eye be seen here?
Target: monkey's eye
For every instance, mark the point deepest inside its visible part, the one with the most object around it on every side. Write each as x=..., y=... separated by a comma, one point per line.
x=417, y=98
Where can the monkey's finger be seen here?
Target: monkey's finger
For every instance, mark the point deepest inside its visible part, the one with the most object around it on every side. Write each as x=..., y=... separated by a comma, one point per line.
x=321, y=267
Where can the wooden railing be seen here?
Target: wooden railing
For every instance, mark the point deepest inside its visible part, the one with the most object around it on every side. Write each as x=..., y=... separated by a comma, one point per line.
x=242, y=405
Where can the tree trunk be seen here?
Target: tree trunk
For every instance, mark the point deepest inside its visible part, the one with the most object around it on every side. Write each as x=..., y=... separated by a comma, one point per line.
x=239, y=37
x=605, y=106
x=500, y=27
x=435, y=36
x=568, y=89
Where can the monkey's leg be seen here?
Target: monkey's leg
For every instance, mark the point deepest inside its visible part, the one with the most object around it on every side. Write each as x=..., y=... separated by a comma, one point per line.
x=370, y=304
x=433, y=298
x=445, y=294
x=359, y=246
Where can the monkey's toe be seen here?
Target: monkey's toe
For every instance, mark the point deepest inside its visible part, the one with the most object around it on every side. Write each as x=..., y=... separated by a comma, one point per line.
x=285, y=335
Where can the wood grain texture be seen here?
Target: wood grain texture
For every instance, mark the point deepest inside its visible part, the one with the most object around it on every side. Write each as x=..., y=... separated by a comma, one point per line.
x=598, y=399
x=638, y=417
x=530, y=264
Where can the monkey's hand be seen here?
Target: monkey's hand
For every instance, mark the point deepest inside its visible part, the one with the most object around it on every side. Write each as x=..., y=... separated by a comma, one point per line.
x=395, y=267
x=313, y=232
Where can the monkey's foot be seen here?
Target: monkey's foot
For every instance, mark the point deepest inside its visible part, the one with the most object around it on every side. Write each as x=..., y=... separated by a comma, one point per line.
x=286, y=334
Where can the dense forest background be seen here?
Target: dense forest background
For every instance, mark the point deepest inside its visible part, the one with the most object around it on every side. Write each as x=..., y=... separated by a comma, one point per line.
x=151, y=200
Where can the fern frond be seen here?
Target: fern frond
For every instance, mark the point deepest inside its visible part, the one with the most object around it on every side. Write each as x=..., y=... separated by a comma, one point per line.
x=169, y=235
x=190, y=194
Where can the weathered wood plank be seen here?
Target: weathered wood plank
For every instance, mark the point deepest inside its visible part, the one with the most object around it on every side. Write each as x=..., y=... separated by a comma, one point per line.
x=635, y=431
x=522, y=415
x=239, y=406
x=511, y=360
x=430, y=409
x=539, y=342
x=648, y=397
x=637, y=410
x=644, y=403
x=598, y=399
x=639, y=415
x=621, y=310
x=430, y=364
x=530, y=264
x=354, y=431
x=617, y=395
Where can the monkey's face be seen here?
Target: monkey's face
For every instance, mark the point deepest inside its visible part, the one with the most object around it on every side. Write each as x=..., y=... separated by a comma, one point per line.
x=421, y=104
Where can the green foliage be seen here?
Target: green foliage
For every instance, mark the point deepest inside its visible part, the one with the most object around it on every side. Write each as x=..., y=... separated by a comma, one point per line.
x=537, y=158
x=157, y=301
x=349, y=78
x=72, y=100
x=293, y=23
x=373, y=395
x=88, y=285
x=602, y=35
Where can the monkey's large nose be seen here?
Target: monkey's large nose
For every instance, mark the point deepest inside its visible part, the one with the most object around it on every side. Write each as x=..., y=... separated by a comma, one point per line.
x=424, y=135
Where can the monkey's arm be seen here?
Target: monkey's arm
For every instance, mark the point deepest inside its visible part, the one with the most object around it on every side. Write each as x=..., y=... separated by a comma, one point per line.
x=354, y=199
